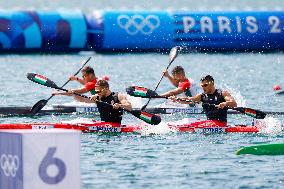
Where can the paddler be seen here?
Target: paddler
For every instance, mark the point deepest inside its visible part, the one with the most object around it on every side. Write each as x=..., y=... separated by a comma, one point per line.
x=182, y=83
x=88, y=81
x=112, y=112
x=214, y=102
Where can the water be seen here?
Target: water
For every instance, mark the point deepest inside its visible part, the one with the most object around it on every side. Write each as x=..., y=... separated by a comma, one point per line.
x=164, y=159
x=168, y=159
x=178, y=161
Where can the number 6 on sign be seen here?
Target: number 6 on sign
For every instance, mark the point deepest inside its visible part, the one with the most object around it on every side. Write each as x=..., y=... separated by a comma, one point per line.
x=47, y=161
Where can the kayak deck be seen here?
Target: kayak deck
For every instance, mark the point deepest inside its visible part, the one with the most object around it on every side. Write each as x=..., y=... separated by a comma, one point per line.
x=117, y=128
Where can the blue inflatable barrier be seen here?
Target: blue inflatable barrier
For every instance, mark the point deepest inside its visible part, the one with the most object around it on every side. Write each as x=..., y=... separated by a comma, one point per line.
x=209, y=31
x=112, y=31
x=237, y=31
x=42, y=31
x=95, y=31
x=137, y=31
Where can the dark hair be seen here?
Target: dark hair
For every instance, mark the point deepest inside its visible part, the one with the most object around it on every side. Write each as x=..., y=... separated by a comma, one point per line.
x=88, y=70
x=102, y=83
x=178, y=70
x=207, y=78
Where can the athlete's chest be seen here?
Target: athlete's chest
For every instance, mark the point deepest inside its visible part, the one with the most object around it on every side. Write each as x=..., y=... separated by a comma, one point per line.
x=210, y=98
x=111, y=99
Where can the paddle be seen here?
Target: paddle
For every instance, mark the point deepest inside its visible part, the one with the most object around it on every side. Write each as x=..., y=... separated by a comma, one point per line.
x=40, y=104
x=143, y=92
x=172, y=57
x=257, y=114
x=147, y=93
x=145, y=116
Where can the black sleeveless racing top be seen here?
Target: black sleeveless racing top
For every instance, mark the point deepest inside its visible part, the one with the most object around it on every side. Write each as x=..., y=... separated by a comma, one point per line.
x=107, y=113
x=212, y=112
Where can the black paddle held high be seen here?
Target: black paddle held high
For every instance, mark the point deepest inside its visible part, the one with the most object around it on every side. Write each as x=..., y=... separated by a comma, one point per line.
x=145, y=116
x=40, y=104
x=172, y=56
x=143, y=92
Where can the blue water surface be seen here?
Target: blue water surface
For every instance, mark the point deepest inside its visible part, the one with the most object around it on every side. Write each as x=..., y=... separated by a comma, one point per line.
x=170, y=160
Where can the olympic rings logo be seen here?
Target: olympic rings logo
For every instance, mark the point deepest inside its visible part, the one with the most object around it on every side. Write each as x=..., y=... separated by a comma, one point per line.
x=137, y=23
x=9, y=164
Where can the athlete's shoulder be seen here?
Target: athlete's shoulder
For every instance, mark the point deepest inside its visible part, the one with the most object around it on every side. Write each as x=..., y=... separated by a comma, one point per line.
x=120, y=95
x=90, y=86
x=190, y=80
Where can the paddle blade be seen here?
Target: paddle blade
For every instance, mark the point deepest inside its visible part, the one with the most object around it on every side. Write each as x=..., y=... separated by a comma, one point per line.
x=39, y=79
x=141, y=92
x=147, y=117
x=173, y=54
x=257, y=114
x=38, y=106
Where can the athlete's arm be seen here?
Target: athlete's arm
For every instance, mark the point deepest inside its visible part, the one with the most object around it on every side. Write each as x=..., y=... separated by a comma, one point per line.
x=230, y=101
x=81, y=81
x=123, y=103
x=72, y=91
x=173, y=92
x=171, y=79
x=194, y=99
x=61, y=93
x=82, y=99
x=183, y=86
x=187, y=100
x=79, y=91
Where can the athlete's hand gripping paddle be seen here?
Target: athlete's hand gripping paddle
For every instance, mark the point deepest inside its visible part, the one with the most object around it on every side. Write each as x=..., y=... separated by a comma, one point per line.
x=257, y=114
x=172, y=57
x=145, y=116
x=40, y=104
x=147, y=93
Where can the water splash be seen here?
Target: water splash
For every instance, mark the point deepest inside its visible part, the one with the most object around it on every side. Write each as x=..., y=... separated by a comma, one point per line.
x=269, y=125
x=164, y=128
x=170, y=104
x=136, y=102
x=79, y=120
x=160, y=129
x=241, y=101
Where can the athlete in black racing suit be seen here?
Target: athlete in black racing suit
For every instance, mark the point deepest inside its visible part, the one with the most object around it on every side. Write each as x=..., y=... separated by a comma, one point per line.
x=111, y=109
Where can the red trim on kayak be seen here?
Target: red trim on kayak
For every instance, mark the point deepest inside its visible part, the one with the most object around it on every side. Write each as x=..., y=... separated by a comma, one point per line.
x=115, y=127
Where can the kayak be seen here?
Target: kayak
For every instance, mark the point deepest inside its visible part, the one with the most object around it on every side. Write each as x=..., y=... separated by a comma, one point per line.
x=117, y=128
x=62, y=109
x=84, y=127
x=264, y=149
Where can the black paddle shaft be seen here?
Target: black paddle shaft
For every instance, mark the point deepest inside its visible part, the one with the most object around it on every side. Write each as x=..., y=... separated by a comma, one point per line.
x=145, y=116
x=73, y=75
x=40, y=104
x=173, y=55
